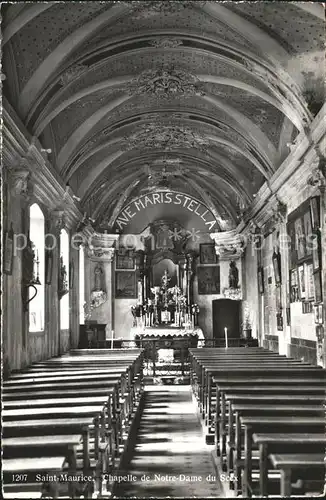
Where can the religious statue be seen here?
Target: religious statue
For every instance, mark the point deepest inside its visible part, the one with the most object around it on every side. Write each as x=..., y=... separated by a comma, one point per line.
x=98, y=278
x=233, y=275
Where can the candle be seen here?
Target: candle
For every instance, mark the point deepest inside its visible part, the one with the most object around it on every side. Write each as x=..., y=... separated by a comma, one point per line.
x=226, y=337
x=112, y=335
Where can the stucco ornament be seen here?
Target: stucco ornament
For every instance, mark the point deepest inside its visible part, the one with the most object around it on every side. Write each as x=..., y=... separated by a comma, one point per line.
x=98, y=297
x=165, y=82
x=166, y=137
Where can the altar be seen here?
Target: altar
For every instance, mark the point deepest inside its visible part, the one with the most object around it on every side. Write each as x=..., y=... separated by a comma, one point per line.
x=165, y=317
x=166, y=351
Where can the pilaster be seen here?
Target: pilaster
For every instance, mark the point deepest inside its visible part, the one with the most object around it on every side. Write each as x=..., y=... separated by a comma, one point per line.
x=99, y=260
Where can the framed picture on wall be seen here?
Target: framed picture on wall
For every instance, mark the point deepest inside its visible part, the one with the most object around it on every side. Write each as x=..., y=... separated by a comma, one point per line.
x=308, y=232
x=317, y=284
x=48, y=267
x=278, y=297
x=207, y=253
x=125, y=260
x=310, y=289
x=279, y=321
x=277, y=267
x=125, y=285
x=261, y=280
x=314, y=213
x=316, y=251
x=300, y=238
x=208, y=280
x=302, y=282
x=8, y=250
x=321, y=313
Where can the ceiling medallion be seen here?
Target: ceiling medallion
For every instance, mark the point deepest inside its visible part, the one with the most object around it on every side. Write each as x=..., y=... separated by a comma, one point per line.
x=165, y=82
x=166, y=137
x=166, y=43
x=71, y=73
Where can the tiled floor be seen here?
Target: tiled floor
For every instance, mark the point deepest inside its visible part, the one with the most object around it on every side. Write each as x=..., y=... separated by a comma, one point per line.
x=170, y=458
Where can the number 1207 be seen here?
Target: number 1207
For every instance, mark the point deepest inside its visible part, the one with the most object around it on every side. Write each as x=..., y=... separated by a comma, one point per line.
x=19, y=478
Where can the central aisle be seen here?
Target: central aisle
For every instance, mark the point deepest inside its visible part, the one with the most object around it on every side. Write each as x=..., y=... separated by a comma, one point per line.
x=170, y=457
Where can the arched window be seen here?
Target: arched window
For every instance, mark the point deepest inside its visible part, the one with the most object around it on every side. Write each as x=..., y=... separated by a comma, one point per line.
x=81, y=285
x=64, y=277
x=37, y=237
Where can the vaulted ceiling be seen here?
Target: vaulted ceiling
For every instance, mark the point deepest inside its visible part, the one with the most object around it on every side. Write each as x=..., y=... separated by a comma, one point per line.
x=200, y=97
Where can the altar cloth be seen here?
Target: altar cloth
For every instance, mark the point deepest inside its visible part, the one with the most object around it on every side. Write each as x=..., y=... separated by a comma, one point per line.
x=166, y=332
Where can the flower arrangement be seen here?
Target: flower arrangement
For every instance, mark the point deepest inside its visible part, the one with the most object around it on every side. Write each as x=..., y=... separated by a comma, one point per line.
x=195, y=309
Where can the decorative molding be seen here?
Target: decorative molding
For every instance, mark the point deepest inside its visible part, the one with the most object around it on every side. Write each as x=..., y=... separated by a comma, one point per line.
x=102, y=246
x=166, y=137
x=58, y=219
x=166, y=43
x=98, y=297
x=279, y=213
x=318, y=177
x=23, y=152
x=232, y=293
x=229, y=245
x=71, y=73
x=21, y=183
x=148, y=9
x=164, y=83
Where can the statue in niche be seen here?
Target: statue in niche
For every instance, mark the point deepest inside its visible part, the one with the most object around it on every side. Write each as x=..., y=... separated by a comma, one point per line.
x=233, y=275
x=98, y=295
x=164, y=238
x=98, y=278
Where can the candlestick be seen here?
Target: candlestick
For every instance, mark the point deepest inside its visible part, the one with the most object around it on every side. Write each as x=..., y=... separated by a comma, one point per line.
x=226, y=337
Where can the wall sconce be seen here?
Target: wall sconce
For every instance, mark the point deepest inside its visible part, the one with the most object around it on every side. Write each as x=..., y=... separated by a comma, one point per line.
x=62, y=282
x=30, y=279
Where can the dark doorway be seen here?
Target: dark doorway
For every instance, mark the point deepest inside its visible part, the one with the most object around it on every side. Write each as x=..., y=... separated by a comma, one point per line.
x=226, y=313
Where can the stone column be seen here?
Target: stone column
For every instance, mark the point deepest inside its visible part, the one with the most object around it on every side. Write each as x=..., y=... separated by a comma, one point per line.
x=100, y=253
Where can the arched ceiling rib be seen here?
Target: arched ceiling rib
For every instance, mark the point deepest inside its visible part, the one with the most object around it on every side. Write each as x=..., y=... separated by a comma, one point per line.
x=243, y=80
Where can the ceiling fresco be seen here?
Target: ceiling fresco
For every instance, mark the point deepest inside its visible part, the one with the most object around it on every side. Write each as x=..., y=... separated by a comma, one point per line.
x=133, y=97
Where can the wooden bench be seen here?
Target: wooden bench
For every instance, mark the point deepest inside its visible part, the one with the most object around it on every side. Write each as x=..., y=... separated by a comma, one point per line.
x=286, y=463
x=262, y=424
x=17, y=470
x=40, y=446
x=250, y=401
x=56, y=388
x=277, y=442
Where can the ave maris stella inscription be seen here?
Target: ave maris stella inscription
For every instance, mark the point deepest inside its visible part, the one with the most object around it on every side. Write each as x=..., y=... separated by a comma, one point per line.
x=166, y=198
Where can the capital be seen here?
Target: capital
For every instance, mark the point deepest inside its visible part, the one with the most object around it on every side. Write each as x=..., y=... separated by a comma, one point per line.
x=58, y=219
x=102, y=246
x=318, y=177
x=21, y=185
x=228, y=245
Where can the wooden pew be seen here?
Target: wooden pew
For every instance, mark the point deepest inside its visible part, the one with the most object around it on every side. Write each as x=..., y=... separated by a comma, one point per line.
x=40, y=446
x=276, y=443
x=258, y=371
x=286, y=463
x=248, y=401
x=21, y=468
x=262, y=424
x=88, y=374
